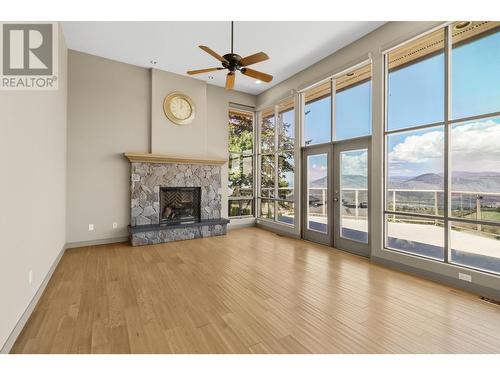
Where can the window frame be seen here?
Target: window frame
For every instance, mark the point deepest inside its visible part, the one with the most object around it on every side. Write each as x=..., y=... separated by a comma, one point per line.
x=276, y=152
x=447, y=123
x=253, y=154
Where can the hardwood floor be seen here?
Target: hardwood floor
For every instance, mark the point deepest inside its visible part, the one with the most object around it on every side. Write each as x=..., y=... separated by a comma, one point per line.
x=249, y=292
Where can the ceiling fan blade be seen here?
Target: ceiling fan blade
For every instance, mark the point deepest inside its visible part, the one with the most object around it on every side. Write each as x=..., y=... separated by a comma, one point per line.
x=190, y=72
x=213, y=53
x=256, y=74
x=230, y=80
x=253, y=59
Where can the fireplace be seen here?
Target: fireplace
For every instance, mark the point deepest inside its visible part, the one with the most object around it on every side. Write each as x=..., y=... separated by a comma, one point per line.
x=179, y=205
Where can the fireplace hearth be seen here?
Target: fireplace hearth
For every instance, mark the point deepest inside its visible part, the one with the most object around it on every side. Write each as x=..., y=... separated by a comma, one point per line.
x=179, y=205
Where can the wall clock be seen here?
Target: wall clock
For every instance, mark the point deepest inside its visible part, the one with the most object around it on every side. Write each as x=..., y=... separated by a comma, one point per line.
x=179, y=108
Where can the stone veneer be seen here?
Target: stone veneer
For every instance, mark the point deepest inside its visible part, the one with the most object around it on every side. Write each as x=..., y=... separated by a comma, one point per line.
x=148, y=177
x=177, y=232
x=146, y=180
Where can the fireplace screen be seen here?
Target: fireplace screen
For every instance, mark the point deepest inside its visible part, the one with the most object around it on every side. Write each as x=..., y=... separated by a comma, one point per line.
x=179, y=204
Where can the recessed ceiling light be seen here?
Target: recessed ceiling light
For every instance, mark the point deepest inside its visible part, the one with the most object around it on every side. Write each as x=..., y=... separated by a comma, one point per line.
x=258, y=81
x=462, y=25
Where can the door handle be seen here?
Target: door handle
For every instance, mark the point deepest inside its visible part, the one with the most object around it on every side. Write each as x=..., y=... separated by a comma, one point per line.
x=336, y=199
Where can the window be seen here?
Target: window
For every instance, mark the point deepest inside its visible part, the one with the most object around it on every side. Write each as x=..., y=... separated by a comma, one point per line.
x=241, y=160
x=353, y=111
x=415, y=82
x=317, y=192
x=475, y=60
x=350, y=104
x=443, y=161
x=318, y=114
x=354, y=195
x=277, y=166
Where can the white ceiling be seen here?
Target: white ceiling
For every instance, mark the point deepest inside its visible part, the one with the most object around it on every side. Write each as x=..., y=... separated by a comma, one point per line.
x=291, y=46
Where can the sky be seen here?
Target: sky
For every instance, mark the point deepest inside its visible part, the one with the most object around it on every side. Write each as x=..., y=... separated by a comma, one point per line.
x=416, y=97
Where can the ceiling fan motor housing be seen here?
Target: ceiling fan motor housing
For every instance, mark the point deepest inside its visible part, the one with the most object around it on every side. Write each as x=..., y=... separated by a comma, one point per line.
x=233, y=61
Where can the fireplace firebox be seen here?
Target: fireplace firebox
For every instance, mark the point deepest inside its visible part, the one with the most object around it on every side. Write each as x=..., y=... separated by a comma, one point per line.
x=179, y=205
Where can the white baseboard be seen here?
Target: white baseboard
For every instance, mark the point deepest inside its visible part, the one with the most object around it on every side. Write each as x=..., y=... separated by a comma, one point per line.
x=241, y=223
x=104, y=241
x=278, y=229
x=29, y=310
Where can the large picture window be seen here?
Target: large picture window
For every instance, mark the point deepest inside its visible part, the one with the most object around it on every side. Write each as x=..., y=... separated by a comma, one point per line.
x=277, y=163
x=442, y=162
x=241, y=161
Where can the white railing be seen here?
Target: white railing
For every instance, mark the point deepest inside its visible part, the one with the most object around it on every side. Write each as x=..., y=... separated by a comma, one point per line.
x=321, y=195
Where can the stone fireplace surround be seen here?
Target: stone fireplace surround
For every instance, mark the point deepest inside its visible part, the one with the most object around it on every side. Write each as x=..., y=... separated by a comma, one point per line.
x=150, y=172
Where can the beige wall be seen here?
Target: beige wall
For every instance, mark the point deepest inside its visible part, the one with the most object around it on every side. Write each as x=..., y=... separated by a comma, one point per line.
x=114, y=108
x=167, y=137
x=372, y=46
x=108, y=114
x=32, y=191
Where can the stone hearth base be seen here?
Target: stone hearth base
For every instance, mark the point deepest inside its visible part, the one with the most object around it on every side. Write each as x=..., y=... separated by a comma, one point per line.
x=155, y=234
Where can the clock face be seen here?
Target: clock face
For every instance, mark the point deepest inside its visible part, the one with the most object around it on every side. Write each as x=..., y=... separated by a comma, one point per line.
x=180, y=108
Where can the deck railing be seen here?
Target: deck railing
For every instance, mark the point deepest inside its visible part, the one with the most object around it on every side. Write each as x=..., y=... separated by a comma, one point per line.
x=318, y=198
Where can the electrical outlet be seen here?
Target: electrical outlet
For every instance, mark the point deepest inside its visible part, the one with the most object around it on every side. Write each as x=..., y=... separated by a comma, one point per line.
x=30, y=277
x=91, y=227
x=115, y=225
x=465, y=277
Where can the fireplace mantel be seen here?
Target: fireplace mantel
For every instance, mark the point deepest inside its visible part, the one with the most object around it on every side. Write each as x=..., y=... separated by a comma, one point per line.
x=136, y=157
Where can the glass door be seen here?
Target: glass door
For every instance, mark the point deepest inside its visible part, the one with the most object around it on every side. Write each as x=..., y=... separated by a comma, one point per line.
x=317, y=187
x=351, y=196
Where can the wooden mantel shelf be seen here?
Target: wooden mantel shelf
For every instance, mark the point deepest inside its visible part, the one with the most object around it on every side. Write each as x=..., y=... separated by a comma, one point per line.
x=136, y=157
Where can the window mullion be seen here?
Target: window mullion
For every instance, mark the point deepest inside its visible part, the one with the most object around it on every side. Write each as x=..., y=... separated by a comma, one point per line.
x=276, y=143
x=333, y=89
x=447, y=115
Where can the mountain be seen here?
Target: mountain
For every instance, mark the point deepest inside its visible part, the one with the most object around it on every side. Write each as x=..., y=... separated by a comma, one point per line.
x=460, y=181
x=319, y=183
x=426, y=181
x=354, y=181
x=480, y=182
x=348, y=181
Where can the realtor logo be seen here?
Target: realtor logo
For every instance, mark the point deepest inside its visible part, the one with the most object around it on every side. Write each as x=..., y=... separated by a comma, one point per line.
x=28, y=56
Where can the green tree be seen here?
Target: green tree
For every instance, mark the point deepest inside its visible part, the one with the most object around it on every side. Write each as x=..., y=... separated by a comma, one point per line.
x=240, y=152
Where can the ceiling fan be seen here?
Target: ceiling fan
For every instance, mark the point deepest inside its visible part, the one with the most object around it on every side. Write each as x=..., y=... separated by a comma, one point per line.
x=233, y=62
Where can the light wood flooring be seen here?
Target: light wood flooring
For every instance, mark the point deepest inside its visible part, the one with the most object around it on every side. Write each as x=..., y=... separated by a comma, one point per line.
x=251, y=291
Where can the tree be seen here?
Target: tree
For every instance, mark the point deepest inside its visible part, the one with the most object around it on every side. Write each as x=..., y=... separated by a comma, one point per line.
x=240, y=149
x=241, y=153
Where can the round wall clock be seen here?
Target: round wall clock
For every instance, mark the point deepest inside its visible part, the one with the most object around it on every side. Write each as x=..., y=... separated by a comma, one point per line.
x=179, y=108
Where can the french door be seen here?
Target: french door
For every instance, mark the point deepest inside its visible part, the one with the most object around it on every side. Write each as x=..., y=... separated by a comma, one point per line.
x=351, y=196
x=317, y=184
x=335, y=186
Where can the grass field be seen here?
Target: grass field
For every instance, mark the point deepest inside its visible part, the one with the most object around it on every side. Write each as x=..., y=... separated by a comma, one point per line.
x=486, y=215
